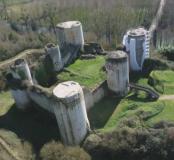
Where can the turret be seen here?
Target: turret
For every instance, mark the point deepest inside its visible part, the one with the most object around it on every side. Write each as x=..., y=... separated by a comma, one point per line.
x=137, y=44
x=117, y=68
x=70, y=33
x=70, y=111
x=19, y=72
x=54, y=52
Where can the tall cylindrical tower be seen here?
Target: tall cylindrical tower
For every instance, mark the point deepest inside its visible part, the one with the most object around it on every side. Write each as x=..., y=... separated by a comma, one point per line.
x=70, y=32
x=20, y=71
x=117, y=68
x=70, y=111
x=137, y=44
x=54, y=52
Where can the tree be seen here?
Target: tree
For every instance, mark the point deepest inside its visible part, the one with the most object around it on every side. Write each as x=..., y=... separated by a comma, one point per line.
x=56, y=151
x=50, y=13
x=4, y=11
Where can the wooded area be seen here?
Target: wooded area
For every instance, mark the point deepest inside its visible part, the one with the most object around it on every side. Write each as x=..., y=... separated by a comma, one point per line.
x=32, y=24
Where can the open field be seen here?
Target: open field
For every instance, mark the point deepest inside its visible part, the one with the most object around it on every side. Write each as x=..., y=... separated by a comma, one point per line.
x=87, y=73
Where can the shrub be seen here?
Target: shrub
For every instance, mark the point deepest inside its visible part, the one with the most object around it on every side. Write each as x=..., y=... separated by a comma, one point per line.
x=128, y=143
x=153, y=64
x=20, y=149
x=167, y=51
x=56, y=151
x=101, y=21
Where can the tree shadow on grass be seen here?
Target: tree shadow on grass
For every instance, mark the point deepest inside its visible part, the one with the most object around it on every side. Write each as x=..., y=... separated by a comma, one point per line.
x=35, y=126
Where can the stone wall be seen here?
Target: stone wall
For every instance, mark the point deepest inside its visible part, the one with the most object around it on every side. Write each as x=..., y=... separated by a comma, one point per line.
x=94, y=96
x=71, y=117
x=21, y=98
x=70, y=112
x=42, y=100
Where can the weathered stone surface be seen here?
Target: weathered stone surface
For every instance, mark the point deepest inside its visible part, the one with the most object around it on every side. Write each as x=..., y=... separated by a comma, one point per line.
x=70, y=112
x=117, y=68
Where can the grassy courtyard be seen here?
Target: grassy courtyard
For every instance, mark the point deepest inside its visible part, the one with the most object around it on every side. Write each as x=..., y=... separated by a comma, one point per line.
x=88, y=73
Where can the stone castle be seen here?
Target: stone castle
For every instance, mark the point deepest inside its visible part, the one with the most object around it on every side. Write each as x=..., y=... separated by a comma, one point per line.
x=68, y=101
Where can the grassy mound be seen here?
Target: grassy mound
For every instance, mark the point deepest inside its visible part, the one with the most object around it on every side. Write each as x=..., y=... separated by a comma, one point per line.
x=86, y=72
x=13, y=148
x=162, y=81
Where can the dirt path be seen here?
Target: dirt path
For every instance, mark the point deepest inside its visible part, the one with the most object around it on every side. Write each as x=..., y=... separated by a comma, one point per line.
x=167, y=97
x=8, y=149
x=157, y=18
x=20, y=55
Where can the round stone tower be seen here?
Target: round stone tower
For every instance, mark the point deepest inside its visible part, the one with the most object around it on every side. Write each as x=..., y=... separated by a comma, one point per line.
x=70, y=111
x=54, y=52
x=70, y=32
x=117, y=68
x=19, y=72
x=22, y=69
x=137, y=43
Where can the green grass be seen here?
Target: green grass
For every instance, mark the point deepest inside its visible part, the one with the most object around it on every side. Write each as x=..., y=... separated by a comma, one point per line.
x=88, y=73
x=6, y=101
x=166, y=114
x=163, y=81
x=144, y=82
x=150, y=112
